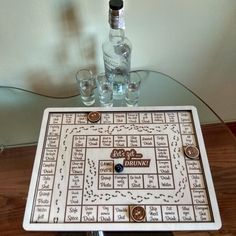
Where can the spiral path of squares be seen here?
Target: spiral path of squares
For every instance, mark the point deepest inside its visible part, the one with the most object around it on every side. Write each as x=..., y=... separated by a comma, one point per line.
x=77, y=180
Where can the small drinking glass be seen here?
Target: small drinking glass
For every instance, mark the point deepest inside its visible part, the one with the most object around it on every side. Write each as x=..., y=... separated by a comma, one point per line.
x=86, y=82
x=105, y=90
x=133, y=90
x=119, y=80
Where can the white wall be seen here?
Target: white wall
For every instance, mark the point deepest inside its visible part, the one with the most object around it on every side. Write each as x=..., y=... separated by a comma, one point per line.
x=191, y=40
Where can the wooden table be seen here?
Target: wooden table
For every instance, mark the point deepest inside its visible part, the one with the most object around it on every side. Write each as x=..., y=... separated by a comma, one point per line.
x=16, y=166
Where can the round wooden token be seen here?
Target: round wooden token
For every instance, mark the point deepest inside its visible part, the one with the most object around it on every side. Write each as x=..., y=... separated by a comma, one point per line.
x=191, y=151
x=94, y=116
x=138, y=213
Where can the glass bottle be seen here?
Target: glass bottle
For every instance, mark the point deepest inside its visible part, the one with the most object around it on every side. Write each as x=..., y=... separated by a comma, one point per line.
x=117, y=50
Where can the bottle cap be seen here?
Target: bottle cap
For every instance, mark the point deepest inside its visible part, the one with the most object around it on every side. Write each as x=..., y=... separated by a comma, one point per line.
x=116, y=14
x=116, y=4
x=138, y=213
x=94, y=116
x=191, y=151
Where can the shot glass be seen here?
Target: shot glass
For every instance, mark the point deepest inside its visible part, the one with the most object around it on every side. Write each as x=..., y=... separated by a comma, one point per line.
x=86, y=82
x=105, y=91
x=132, y=90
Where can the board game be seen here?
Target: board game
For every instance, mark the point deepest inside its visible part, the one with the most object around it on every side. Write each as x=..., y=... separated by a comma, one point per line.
x=141, y=168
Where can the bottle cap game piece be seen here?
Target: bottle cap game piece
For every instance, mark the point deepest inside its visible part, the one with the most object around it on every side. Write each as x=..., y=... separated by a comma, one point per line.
x=191, y=151
x=138, y=213
x=119, y=168
x=94, y=116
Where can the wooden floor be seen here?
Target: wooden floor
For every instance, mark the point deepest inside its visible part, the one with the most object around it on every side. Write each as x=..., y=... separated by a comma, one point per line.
x=16, y=166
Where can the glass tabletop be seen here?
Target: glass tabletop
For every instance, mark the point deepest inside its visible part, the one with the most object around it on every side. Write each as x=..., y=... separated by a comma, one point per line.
x=21, y=113
x=21, y=110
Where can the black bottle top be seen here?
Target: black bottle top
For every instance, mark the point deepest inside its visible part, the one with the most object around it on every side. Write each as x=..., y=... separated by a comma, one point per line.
x=116, y=4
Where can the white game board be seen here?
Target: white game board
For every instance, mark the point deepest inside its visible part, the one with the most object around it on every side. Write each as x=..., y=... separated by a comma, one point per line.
x=74, y=186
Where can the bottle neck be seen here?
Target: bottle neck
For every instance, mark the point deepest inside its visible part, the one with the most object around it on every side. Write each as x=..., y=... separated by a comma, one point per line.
x=116, y=35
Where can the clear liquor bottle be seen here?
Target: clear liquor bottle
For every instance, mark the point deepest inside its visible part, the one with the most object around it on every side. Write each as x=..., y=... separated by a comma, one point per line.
x=117, y=50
